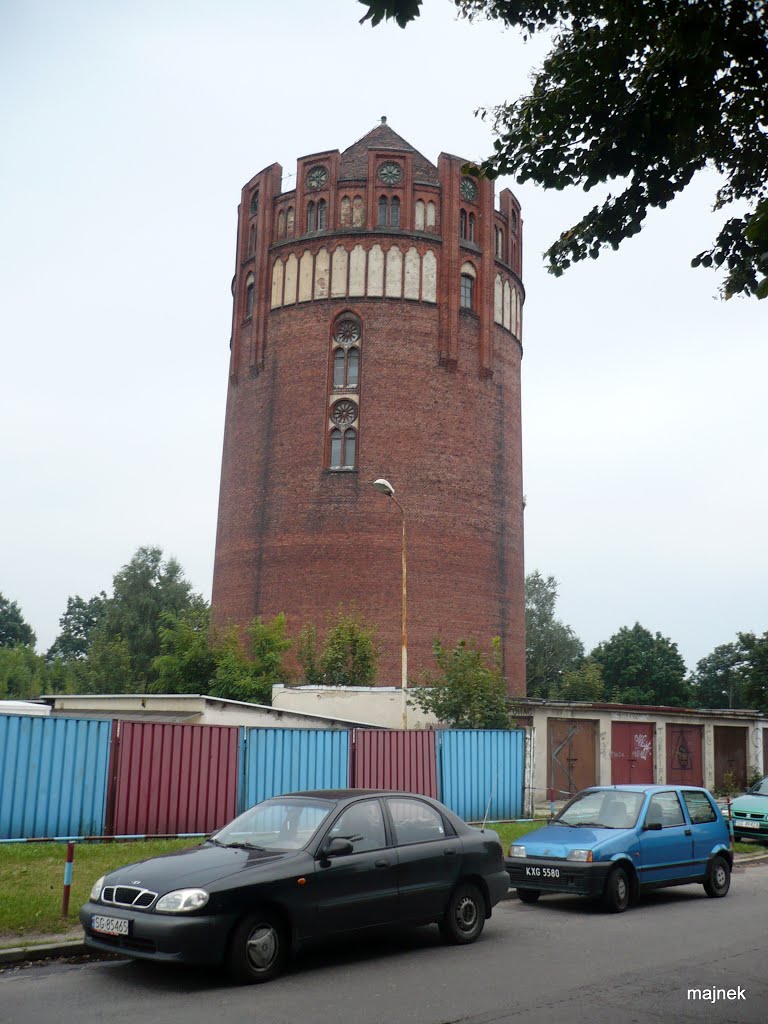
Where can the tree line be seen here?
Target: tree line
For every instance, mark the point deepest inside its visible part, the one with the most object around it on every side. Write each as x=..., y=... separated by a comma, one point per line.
x=153, y=634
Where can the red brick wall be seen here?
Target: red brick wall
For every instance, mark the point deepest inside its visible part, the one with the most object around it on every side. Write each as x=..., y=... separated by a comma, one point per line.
x=298, y=538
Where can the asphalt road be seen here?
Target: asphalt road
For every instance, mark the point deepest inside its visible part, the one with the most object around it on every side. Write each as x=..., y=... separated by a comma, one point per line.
x=561, y=960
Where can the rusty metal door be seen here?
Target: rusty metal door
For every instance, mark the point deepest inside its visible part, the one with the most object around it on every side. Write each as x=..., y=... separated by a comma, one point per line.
x=571, y=756
x=684, y=763
x=632, y=752
x=730, y=755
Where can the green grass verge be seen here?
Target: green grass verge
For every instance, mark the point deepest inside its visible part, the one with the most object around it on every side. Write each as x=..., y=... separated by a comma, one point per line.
x=32, y=881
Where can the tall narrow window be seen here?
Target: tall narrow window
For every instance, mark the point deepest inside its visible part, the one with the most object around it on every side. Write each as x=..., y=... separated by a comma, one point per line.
x=252, y=239
x=394, y=213
x=353, y=367
x=344, y=397
x=290, y=218
x=463, y=224
x=255, y=203
x=336, y=462
x=311, y=217
x=339, y=368
x=383, y=212
x=249, y=289
x=281, y=224
x=350, y=444
x=467, y=291
x=322, y=212
x=471, y=227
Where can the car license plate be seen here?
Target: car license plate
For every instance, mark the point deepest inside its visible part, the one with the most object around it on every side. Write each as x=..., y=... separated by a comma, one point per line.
x=542, y=872
x=741, y=823
x=109, y=925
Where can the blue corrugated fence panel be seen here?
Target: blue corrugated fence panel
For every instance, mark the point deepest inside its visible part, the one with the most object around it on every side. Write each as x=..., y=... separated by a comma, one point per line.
x=481, y=765
x=286, y=760
x=53, y=776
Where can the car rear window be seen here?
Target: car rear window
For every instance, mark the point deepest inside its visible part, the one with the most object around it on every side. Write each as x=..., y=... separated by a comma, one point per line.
x=699, y=807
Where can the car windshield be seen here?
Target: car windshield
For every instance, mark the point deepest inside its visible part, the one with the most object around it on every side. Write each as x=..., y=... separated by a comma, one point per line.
x=279, y=824
x=760, y=788
x=602, y=808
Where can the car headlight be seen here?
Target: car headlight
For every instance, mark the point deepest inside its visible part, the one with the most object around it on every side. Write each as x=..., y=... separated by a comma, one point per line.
x=582, y=855
x=181, y=901
x=96, y=890
x=517, y=851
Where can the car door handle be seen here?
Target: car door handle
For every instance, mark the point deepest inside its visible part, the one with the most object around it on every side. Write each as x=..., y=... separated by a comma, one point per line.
x=688, y=832
x=449, y=853
x=381, y=864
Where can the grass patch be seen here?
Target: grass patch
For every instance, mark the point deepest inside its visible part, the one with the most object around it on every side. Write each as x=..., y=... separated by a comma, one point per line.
x=32, y=881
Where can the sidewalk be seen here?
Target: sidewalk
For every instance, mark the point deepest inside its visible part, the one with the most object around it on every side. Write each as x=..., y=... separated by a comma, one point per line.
x=70, y=944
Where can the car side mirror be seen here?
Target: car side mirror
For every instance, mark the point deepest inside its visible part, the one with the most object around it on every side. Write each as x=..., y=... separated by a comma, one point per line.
x=337, y=847
x=652, y=826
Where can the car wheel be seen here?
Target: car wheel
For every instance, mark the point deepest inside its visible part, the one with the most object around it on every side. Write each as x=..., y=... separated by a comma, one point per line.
x=259, y=949
x=718, y=878
x=528, y=895
x=465, y=918
x=617, y=891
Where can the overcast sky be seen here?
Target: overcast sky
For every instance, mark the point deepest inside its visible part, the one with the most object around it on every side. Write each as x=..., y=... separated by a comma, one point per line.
x=128, y=130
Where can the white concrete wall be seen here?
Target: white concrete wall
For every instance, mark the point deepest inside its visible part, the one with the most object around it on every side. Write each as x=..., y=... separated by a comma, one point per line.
x=375, y=705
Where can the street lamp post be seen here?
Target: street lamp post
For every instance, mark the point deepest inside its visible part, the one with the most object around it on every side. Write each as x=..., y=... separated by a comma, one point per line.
x=385, y=487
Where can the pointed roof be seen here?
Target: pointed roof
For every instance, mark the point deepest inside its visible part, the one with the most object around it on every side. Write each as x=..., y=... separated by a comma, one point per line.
x=354, y=161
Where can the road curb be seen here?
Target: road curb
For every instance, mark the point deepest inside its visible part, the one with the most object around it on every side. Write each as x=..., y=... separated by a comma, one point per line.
x=23, y=954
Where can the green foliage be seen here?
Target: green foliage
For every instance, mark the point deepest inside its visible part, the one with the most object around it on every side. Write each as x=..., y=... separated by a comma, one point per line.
x=250, y=674
x=584, y=683
x=755, y=670
x=401, y=11
x=730, y=784
x=349, y=655
x=717, y=681
x=647, y=94
x=551, y=647
x=22, y=673
x=14, y=630
x=107, y=669
x=187, y=661
x=468, y=693
x=144, y=590
x=642, y=668
x=308, y=657
x=78, y=624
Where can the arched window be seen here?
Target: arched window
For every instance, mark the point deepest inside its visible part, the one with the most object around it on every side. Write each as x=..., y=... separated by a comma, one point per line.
x=321, y=215
x=255, y=203
x=344, y=399
x=358, y=213
x=343, y=448
x=290, y=219
x=500, y=243
x=394, y=213
x=281, y=224
x=353, y=367
x=350, y=444
x=345, y=212
x=339, y=368
x=311, y=217
x=336, y=439
x=249, y=289
x=471, y=227
x=468, y=275
x=463, y=224
x=383, y=211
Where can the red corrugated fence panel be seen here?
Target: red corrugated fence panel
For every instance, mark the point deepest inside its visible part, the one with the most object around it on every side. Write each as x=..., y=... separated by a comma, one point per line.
x=174, y=778
x=394, y=759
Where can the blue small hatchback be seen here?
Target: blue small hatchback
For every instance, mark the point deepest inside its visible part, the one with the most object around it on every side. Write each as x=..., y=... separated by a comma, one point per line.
x=614, y=841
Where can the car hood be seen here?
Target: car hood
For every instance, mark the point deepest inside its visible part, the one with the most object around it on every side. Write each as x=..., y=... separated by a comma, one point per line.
x=199, y=866
x=752, y=803
x=559, y=840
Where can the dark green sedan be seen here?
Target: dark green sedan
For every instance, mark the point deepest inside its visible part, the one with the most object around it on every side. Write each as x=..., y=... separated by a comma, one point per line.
x=296, y=869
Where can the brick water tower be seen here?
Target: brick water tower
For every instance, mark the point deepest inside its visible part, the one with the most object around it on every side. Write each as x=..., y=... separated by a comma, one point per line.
x=376, y=332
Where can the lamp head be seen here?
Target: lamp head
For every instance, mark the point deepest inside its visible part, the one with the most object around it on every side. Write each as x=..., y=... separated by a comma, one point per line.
x=385, y=487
